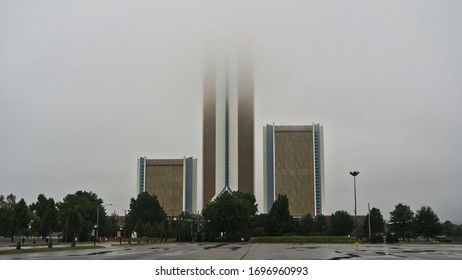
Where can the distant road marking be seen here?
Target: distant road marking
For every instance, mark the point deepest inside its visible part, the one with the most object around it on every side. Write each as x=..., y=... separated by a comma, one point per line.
x=243, y=257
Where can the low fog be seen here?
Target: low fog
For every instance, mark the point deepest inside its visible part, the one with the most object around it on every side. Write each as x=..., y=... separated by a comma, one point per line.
x=88, y=87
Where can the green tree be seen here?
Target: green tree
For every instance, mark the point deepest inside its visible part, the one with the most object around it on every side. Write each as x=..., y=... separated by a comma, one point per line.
x=50, y=218
x=377, y=223
x=341, y=223
x=35, y=222
x=447, y=228
x=250, y=201
x=279, y=220
x=6, y=212
x=139, y=228
x=145, y=208
x=21, y=217
x=427, y=223
x=87, y=204
x=148, y=230
x=259, y=225
x=7, y=206
x=230, y=215
x=401, y=219
x=11, y=201
x=166, y=228
x=184, y=226
x=40, y=224
x=109, y=225
x=157, y=230
x=457, y=230
x=38, y=208
x=306, y=224
x=182, y=230
x=320, y=225
x=74, y=223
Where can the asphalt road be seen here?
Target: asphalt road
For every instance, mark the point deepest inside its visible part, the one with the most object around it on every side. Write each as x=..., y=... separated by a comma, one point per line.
x=6, y=244
x=246, y=251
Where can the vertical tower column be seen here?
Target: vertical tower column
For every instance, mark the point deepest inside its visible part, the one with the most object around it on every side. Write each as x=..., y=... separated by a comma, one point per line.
x=229, y=145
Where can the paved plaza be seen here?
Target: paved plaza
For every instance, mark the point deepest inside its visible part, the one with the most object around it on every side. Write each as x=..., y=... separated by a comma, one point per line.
x=248, y=251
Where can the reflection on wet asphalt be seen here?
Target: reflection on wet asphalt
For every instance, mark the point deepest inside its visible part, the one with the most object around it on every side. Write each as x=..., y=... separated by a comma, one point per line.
x=248, y=251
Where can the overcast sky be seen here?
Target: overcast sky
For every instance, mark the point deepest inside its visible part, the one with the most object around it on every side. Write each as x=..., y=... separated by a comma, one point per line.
x=87, y=87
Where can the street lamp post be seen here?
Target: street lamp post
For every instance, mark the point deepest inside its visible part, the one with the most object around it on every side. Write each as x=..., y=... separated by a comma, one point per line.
x=369, y=221
x=125, y=219
x=97, y=219
x=94, y=235
x=121, y=229
x=354, y=174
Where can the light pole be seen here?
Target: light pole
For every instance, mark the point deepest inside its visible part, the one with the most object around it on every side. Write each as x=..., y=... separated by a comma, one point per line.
x=354, y=174
x=125, y=219
x=97, y=219
x=94, y=235
x=369, y=210
x=121, y=229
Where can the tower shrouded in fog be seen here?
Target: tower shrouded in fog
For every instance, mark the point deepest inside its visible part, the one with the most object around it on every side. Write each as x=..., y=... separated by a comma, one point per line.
x=228, y=124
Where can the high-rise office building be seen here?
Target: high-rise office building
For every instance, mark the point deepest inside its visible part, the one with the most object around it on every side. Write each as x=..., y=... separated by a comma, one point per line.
x=228, y=125
x=294, y=166
x=173, y=181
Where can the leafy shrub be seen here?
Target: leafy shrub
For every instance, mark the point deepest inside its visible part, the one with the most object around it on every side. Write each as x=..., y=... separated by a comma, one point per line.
x=443, y=239
x=391, y=238
x=377, y=238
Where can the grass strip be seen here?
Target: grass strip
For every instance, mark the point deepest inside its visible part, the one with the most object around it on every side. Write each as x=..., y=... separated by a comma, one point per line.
x=303, y=239
x=54, y=249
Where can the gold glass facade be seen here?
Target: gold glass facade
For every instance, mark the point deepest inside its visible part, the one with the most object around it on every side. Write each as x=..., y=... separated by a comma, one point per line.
x=293, y=165
x=294, y=168
x=164, y=178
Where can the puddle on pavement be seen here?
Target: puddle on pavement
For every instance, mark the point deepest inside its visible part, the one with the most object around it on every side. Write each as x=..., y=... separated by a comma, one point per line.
x=159, y=248
x=302, y=247
x=235, y=248
x=348, y=256
x=213, y=247
x=99, y=253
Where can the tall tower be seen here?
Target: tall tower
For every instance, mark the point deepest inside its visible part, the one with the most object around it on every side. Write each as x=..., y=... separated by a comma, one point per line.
x=294, y=166
x=228, y=124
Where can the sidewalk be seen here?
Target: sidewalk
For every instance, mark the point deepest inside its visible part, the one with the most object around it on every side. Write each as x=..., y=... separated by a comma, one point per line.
x=4, y=246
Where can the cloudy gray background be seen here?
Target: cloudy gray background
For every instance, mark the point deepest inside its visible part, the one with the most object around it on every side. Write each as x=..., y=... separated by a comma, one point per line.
x=86, y=87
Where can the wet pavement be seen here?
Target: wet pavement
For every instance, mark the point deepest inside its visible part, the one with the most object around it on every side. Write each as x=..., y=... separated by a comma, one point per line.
x=247, y=251
x=362, y=252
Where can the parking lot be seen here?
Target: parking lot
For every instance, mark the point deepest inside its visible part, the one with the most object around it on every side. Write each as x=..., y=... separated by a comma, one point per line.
x=248, y=251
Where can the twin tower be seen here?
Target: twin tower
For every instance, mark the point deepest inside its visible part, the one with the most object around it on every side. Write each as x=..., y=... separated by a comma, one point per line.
x=228, y=130
x=293, y=155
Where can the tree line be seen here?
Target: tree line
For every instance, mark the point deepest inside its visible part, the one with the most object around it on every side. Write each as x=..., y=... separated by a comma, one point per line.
x=233, y=217
x=230, y=217
x=74, y=218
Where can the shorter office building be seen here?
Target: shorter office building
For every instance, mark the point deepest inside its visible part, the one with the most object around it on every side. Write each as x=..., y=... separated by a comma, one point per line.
x=294, y=166
x=173, y=181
